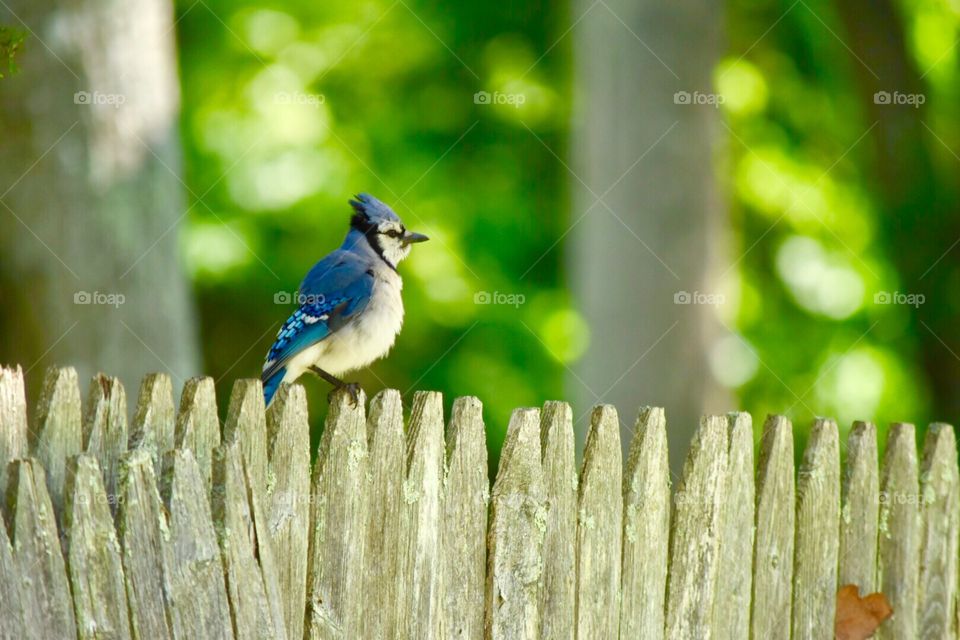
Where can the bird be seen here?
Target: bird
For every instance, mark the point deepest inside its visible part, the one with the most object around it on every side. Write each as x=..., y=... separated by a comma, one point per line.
x=350, y=310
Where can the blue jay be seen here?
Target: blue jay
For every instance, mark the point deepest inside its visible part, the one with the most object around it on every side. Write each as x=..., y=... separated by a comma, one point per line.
x=350, y=307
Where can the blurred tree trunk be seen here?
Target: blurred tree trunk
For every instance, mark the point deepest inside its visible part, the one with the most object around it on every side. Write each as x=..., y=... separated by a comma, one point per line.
x=90, y=194
x=665, y=229
x=920, y=223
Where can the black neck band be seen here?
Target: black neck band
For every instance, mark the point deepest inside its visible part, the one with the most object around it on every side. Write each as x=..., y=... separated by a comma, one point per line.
x=360, y=223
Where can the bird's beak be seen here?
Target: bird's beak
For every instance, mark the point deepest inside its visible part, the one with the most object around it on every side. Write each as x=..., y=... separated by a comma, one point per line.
x=410, y=237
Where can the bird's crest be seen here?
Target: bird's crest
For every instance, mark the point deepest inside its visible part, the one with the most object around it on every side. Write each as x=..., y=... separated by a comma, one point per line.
x=370, y=212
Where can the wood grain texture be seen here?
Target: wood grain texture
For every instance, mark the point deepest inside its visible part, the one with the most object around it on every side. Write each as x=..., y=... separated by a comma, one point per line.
x=11, y=609
x=464, y=522
x=198, y=427
x=288, y=500
x=153, y=422
x=144, y=539
x=267, y=558
x=859, y=508
x=105, y=430
x=774, y=539
x=93, y=554
x=335, y=574
x=57, y=434
x=254, y=607
x=899, y=532
x=45, y=594
x=646, y=528
x=381, y=562
x=558, y=596
x=817, y=546
x=731, y=605
x=13, y=419
x=940, y=519
x=600, y=528
x=694, y=540
x=246, y=424
x=515, y=539
x=421, y=546
x=194, y=572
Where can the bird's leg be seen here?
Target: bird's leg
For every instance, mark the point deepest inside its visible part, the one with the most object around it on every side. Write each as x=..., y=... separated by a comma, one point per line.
x=329, y=377
x=352, y=387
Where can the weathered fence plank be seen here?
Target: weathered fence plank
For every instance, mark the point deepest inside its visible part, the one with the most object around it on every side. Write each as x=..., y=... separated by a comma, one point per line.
x=153, y=423
x=421, y=550
x=940, y=514
x=288, y=501
x=45, y=594
x=817, y=546
x=266, y=558
x=558, y=596
x=105, y=430
x=198, y=594
x=600, y=528
x=255, y=611
x=198, y=428
x=464, y=522
x=143, y=539
x=899, y=537
x=57, y=434
x=858, y=510
x=13, y=419
x=515, y=538
x=11, y=609
x=93, y=554
x=731, y=605
x=386, y=465
x=335, y=573
x=646, y=528
x=774, y=538
x=245, y=424
x=695, y=535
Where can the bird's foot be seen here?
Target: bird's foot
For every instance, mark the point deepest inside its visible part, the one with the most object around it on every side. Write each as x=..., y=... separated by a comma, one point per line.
x=353, y=388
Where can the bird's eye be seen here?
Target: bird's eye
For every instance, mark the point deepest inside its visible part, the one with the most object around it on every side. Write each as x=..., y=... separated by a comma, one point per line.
x=393, y=233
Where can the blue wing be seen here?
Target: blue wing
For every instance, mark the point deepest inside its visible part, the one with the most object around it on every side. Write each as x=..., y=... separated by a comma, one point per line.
x=336, y=289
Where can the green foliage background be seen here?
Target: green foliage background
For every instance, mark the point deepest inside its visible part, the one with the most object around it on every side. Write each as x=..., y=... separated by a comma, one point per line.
x=823, y=244
x=290, y=108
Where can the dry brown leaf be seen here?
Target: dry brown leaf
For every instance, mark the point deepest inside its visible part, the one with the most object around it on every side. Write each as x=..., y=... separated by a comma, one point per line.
x=858, y=618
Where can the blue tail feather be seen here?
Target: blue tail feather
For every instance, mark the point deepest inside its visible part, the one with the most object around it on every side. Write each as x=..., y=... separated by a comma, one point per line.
x=271, y=384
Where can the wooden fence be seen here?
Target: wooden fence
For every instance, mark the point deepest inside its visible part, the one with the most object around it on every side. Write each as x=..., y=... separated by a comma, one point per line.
x=169, y=528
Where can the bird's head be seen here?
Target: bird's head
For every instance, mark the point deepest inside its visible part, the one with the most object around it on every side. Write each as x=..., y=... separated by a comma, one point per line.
x=383, y=228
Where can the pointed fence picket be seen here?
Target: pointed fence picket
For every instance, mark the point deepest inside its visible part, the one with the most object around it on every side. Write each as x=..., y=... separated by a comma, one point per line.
x=171, y=527
x=772, y=603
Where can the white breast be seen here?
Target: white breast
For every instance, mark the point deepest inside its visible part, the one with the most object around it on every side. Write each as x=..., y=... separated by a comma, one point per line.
x=366, y=338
